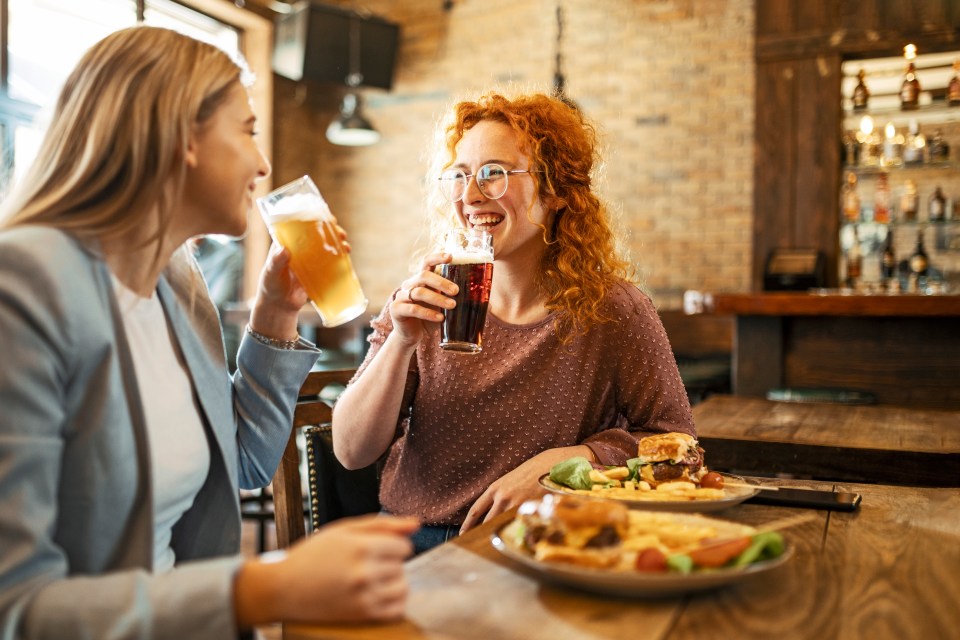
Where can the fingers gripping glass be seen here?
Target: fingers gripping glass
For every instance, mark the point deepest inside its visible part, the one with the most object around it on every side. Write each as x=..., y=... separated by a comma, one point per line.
x=492, y=180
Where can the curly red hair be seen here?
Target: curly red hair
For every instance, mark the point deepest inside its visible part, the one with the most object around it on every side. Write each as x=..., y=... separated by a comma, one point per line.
x=581, y=262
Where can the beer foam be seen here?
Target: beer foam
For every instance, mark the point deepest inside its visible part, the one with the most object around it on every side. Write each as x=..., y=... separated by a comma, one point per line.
x=303, y=214
x=468, y=256
x=298, y=207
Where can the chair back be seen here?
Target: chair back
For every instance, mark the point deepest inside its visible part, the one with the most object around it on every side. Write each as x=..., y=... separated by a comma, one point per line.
x=314, y=407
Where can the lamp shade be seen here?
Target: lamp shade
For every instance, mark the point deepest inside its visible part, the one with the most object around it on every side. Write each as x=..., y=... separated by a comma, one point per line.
x=350, y=128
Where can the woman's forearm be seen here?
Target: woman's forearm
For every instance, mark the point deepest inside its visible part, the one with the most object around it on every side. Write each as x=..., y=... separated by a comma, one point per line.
x=365, y=416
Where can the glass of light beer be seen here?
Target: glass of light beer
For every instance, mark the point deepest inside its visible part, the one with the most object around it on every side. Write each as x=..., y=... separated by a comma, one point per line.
x=300, y=221
x=472, y=270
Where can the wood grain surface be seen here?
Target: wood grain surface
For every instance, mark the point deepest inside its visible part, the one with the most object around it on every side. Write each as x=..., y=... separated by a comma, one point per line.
x=889, y=570
x=892, y=445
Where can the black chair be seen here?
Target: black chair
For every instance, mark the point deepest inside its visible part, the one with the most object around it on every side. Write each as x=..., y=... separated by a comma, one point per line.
x=334, y=491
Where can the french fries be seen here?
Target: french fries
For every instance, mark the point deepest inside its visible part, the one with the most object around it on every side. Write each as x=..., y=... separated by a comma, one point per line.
x=613, y=483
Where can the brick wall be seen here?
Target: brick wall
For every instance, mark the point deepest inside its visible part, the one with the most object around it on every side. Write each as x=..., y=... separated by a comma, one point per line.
x=669, y=82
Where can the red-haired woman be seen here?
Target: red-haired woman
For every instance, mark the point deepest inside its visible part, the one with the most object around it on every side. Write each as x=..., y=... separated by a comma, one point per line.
x=575, y=361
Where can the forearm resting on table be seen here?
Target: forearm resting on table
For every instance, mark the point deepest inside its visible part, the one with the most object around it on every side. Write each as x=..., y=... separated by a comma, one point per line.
x=255, y=594
x=365, y=416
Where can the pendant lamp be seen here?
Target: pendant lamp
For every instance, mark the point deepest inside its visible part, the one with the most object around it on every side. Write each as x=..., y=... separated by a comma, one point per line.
x=351, y=128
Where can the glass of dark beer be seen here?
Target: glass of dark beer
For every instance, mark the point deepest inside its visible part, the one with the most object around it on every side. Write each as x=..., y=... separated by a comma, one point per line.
x=472, y=270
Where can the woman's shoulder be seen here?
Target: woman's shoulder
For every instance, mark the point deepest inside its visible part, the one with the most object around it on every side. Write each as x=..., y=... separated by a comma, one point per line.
x=37, y=244
x=625, y=300
x=45, y=264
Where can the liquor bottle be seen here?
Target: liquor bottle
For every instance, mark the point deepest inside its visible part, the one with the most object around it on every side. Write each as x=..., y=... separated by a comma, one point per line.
x=881, y=200
x=861, y=95
x=888, y=260
x=915, y=145
x=851, y=149
x=910, y=89
x=939, y=149
x=892, y=147
x=937, y=207
x=953, y=89
x=919, y=262
x=854, y=261
x=909, y=202
x=850, y=199
x=869, y=140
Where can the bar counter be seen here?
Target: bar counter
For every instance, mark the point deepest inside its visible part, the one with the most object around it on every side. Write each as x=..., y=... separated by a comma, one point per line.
x=904, y=349
x=834, y=303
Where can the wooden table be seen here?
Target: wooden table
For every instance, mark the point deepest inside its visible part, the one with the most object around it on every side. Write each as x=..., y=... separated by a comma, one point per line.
x=892, y=445
x=890, y=570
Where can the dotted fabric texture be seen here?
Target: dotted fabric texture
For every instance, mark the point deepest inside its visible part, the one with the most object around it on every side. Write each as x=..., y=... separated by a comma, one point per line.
x=470, y=418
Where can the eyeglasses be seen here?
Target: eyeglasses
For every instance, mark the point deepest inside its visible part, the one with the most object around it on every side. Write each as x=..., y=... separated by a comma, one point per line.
x=492, y=180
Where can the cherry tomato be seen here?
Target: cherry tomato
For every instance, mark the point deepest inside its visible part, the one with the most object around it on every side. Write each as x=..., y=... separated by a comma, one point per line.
x=712, y=480
x=651, y=560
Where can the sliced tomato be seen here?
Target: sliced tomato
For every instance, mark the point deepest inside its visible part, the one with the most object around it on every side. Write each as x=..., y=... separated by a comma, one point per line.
x=717, y=554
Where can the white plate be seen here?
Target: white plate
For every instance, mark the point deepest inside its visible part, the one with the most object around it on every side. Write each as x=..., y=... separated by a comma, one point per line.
x=632, y=584
x=732, y=496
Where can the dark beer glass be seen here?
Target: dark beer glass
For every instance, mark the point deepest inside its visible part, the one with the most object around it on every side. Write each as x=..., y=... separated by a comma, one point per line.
x=472, y=270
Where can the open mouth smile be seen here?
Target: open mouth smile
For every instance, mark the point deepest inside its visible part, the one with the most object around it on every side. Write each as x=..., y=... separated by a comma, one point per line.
x=485, y=220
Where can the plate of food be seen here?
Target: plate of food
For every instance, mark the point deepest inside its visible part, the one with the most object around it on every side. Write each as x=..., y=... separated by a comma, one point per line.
x=605, y=547
x=668, y=474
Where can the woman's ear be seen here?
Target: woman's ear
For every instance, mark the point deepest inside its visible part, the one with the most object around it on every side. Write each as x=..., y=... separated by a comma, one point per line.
x=553, y=202
x=190, y=155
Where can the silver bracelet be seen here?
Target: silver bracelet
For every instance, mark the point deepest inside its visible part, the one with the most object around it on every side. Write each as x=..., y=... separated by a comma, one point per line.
x=288, y=345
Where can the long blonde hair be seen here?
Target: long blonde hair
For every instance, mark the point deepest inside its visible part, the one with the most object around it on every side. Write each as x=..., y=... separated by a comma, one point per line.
x=582, y=261
x=115, y=147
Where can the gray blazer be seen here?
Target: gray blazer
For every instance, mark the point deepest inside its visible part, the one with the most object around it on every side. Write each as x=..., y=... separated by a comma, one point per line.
x=76, y=518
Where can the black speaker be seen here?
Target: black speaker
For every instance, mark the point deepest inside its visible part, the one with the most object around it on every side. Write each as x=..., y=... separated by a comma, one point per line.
x=312, y=42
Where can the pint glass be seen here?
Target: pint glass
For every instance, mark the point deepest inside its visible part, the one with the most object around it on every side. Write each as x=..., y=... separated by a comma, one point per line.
x=300, y=221
x=472, y=270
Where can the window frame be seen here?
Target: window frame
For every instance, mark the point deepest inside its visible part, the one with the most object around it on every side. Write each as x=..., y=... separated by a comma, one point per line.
x=256, y=44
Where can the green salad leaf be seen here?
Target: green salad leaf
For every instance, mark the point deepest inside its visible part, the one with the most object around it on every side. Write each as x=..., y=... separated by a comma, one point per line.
x=680, y=563
x=573, y=473
x=765, y=545
x=633, y=464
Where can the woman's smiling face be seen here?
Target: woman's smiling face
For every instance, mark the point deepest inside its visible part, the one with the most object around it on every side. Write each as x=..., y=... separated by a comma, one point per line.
x=515, y=219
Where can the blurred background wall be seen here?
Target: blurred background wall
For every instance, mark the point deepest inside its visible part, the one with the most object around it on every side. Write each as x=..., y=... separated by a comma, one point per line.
x=669, y=82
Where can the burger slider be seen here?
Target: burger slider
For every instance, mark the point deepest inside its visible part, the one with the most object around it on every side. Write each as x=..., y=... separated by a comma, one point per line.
x=586, y=533
x=670, y=457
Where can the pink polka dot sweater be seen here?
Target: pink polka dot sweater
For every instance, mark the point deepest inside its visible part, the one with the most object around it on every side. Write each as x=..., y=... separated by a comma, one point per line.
x=469, y=419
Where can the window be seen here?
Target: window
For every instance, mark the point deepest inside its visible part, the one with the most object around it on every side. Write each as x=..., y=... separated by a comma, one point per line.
x=35, y=71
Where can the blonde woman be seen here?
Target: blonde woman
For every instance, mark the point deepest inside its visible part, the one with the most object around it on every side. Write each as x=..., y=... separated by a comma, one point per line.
x=575, y=361
x=123, y=441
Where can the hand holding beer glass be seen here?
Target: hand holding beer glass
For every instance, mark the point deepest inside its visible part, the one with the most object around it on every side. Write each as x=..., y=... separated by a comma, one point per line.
x=471, y=268
x=300, y=221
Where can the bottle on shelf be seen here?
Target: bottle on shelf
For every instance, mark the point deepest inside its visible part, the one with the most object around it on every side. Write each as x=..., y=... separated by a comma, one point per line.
x=892, y=147
x=909, y=202
x=915, y=145
x=939, y=148
x=888, y=262
x=850, y=197
x=918, y=264
x=937, y=206
x=861, y=95
x=881, y=200
x=854, y=261
x=953, y=89
x=910, y=88
x=851, y=149
x=869, y=140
